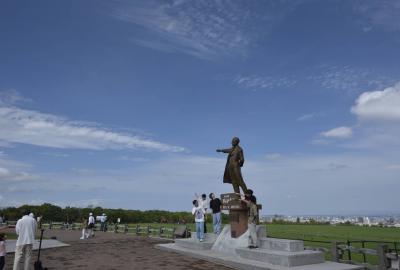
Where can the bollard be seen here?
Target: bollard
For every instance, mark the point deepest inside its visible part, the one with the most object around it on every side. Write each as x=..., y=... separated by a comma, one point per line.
x=383, y=261
x=336, y=256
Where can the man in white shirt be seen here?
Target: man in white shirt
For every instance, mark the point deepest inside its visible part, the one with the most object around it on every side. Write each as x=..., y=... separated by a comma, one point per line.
x=25, y=229
x=103, y=220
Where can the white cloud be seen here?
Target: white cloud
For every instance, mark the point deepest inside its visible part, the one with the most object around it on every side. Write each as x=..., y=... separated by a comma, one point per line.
x=395, y=167
x=255, y=82
x=273, y=156
x=348, y=79
x=6, y=175
x=204, y=29
x=379, y=105
x=35, y=128
x=170, y=184
x=384, y=14
x=339, y=132
x=306, y=117
x=11, y=97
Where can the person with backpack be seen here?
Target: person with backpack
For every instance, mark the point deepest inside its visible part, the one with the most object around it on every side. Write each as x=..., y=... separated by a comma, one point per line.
x=198, y=213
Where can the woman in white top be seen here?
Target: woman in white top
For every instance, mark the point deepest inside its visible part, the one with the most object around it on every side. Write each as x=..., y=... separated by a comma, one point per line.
x=198, y=213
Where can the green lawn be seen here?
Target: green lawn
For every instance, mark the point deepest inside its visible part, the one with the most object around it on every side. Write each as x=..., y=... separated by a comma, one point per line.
x=325, y=233
x=330, y=233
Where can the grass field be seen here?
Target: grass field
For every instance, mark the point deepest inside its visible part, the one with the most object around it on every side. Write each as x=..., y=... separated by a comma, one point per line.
x=329, y=233
x=314, y=235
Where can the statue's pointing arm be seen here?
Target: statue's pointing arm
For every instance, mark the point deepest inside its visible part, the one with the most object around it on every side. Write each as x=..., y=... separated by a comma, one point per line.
x=224, y=150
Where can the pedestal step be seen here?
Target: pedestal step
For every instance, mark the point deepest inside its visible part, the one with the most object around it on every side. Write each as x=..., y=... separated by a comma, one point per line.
x=282, y=258
x=207, y=236
x=281, y=244
x=194, y=244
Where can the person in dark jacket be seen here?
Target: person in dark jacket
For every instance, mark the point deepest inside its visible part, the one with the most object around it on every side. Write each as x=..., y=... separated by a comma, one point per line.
x=215, y=206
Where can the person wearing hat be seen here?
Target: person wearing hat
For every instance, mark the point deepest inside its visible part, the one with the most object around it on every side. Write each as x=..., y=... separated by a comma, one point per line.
x=103, y=222
x=90, y=231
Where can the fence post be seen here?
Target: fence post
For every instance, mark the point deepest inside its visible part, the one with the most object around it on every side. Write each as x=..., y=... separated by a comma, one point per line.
x=335, y=252
x=148, y=230
x=137, y=229
x=383, y=262
x=364, y=256
x=115, y=227
x=173, y=233
x=126, y=228
x=348, y=250
x=50, y=225
x=160, y=231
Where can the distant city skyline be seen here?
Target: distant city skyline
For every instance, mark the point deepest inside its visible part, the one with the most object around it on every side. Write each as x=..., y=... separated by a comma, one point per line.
x=122, y=104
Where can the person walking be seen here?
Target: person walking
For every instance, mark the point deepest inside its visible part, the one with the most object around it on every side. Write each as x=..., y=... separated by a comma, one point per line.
x=198, y=213
x=90, y=228
x=84, y=225
x=25, y=229
x=215, y=206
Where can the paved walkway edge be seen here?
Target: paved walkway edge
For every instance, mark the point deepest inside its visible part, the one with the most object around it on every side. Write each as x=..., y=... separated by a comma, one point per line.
x=236, y=262
x=46, y=243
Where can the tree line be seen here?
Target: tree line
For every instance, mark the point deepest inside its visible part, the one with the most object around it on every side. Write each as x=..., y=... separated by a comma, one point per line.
x=54, y=213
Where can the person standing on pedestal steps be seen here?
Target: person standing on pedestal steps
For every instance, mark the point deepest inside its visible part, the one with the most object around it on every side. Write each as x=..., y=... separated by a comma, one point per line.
x=198, y=213
x=235, y=161
x=251, y=203
x=215, y=206
x=202, y=201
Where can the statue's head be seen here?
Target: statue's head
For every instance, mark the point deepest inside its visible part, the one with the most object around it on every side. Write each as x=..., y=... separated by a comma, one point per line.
x=235, y=141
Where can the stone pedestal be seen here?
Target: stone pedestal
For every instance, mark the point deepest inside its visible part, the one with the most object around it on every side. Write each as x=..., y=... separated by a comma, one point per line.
x=238, y=214
x=272, y=254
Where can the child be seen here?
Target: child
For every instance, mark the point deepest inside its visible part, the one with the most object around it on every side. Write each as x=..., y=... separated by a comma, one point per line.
x=198, y=213
x=3, y=238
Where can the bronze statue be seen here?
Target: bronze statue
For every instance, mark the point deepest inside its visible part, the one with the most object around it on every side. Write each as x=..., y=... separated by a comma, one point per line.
x=233, y=166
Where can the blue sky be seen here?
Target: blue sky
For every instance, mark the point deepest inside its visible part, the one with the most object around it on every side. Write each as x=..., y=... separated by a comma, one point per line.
x=123, y=103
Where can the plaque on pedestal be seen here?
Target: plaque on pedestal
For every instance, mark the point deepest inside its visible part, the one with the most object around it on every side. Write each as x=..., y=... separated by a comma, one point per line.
x=238, y=214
